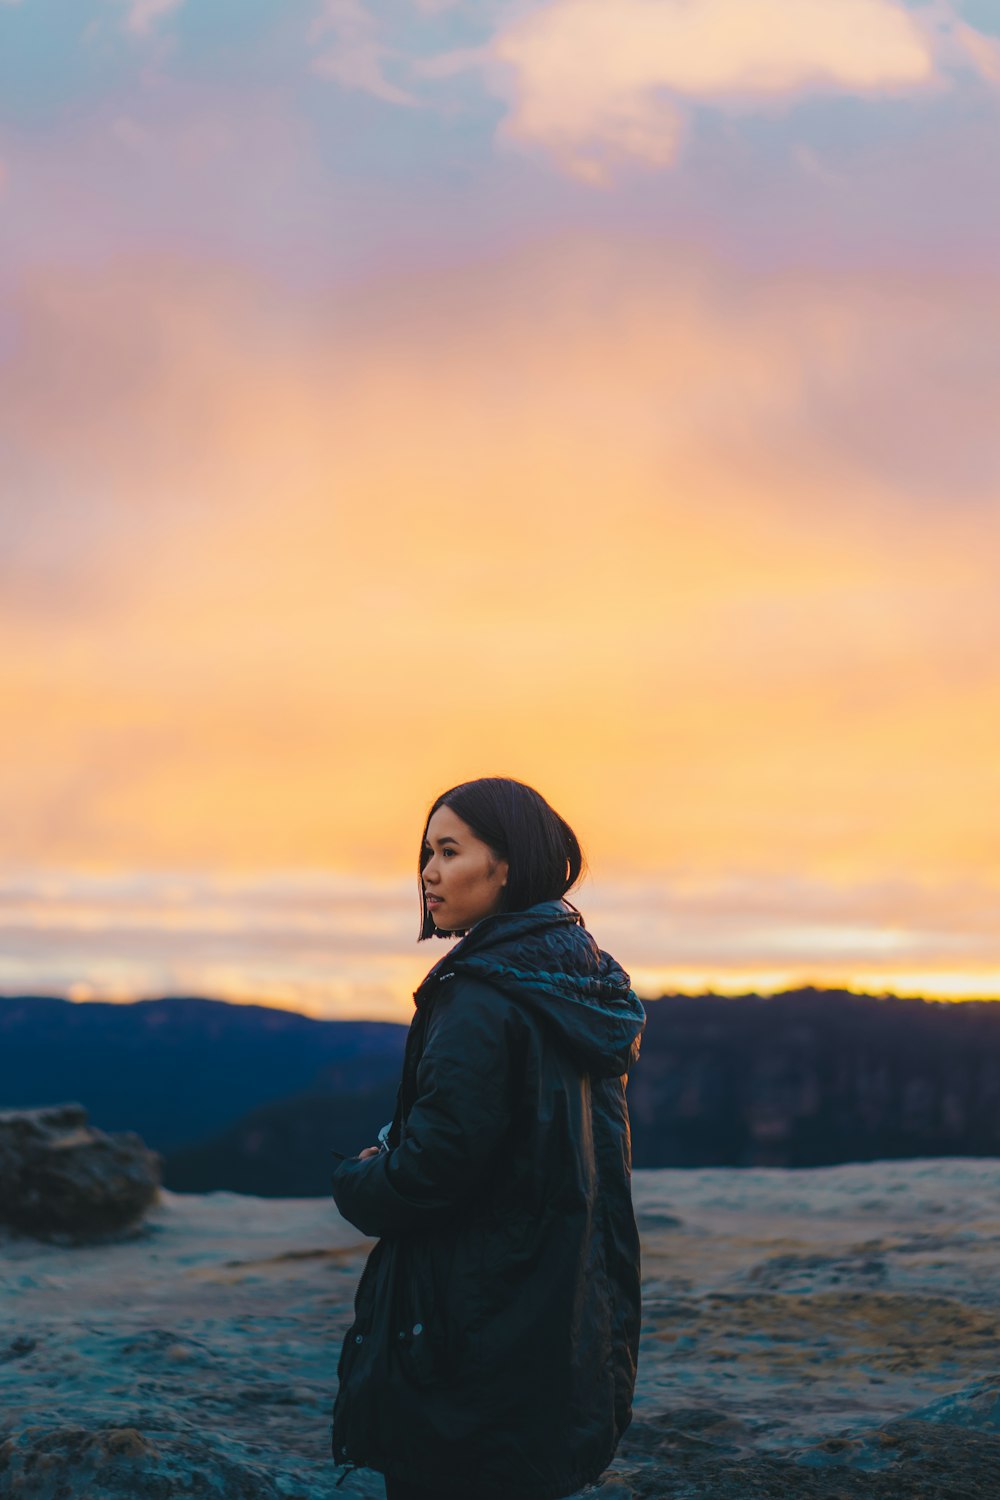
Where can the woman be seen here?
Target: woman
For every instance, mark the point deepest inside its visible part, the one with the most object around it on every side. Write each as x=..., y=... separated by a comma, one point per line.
x=493, y=1350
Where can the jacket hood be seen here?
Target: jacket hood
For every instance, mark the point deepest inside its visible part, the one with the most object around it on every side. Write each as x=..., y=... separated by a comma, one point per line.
x=545, y=958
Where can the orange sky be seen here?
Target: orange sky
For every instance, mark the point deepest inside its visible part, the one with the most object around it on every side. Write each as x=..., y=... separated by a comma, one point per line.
x=701, y=543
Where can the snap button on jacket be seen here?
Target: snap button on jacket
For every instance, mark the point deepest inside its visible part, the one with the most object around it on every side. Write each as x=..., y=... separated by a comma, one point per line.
x=496, y=1322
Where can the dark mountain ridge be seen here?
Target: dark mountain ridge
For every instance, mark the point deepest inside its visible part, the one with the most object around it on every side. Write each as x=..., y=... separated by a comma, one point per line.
x=252, y=1098
x=181, y=1068
x=811, y=1077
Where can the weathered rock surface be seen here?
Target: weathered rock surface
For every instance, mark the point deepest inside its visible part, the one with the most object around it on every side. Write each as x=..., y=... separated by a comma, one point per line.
x=61, y=1178
x=827, y=1334
x=126, y=1464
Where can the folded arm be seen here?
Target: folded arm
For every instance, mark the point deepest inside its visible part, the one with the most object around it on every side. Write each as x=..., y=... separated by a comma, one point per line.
x=455, y=1126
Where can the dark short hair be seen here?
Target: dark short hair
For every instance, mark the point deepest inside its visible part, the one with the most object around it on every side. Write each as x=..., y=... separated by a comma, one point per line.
x=542, y=852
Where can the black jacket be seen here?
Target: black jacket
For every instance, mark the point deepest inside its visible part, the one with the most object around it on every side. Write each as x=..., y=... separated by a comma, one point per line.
x=494, y=1345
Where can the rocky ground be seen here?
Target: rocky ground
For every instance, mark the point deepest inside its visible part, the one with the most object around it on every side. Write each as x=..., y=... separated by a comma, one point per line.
x=830, y=1332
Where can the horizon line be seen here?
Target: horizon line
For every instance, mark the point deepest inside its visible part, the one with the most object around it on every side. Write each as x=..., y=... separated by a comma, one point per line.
x=707, y=994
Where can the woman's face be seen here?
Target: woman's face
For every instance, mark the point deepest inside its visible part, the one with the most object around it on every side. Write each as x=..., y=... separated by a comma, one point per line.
x=462, y=878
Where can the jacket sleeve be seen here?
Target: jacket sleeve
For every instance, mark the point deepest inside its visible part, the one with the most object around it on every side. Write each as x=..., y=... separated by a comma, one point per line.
x=455, y=1127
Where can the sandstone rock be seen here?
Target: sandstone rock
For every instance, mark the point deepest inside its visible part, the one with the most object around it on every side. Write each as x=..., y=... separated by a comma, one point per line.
x=122, y=1463
x=688, y=1455
x=63, y=1180
x=828, y=1334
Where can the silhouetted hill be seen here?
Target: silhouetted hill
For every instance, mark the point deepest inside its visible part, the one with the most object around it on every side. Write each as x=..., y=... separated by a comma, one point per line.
x=808, y=1077
x=253, y=1099
x=177, y=1070
x=282, y=1150
x=811, y=1077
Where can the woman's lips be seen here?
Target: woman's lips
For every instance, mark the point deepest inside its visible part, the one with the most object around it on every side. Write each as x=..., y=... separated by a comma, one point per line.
x=434, y=900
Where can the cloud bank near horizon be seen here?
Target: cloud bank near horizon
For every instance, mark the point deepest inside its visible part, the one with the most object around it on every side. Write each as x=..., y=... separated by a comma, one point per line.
x=338, y=944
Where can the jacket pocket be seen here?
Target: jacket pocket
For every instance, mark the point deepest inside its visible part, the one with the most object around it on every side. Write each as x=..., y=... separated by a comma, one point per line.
x=434, y=1315
x=415, y=1329
x=422, y=1353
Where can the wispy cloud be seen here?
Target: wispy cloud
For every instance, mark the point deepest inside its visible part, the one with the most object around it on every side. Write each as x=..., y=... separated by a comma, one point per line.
x=354, y=52
x=142, y=16
x=983, y=51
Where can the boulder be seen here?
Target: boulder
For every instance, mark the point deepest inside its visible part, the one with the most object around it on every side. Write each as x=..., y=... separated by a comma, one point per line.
x=62, y=1179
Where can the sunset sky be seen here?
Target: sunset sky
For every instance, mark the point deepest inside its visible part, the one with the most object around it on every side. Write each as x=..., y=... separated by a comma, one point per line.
x=604, y=393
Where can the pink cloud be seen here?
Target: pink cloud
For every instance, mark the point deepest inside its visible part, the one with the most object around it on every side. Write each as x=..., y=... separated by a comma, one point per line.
x=595, y=85
x=983, y=51
x=141, y=16
x=356, y=54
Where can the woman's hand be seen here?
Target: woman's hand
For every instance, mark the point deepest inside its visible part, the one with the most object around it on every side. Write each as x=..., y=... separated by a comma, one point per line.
x=368, y=1151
